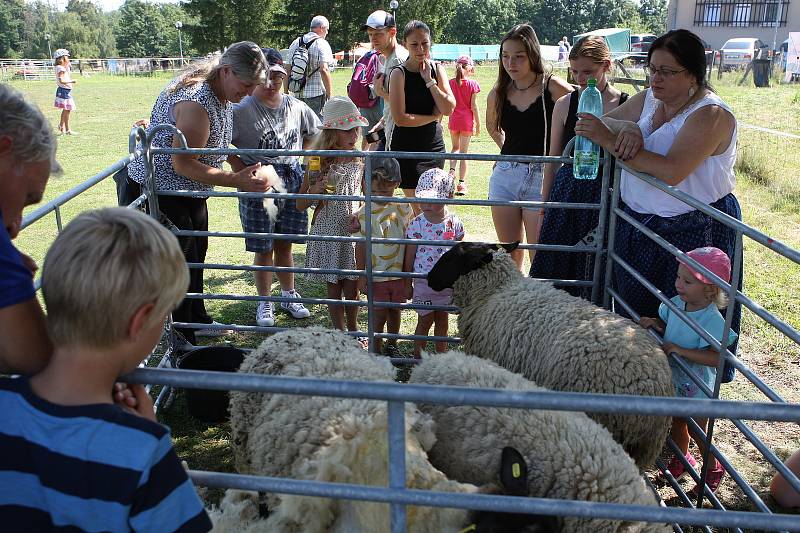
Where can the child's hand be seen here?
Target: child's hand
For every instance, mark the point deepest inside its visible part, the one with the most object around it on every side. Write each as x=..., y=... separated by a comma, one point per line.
x=669, y=347
x=647, y=322
x=144, y=403
x=353, y=226
x=123, y=396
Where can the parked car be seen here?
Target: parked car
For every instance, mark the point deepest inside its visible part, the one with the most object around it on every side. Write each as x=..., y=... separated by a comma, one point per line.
x=738, y=52
x=640, y=42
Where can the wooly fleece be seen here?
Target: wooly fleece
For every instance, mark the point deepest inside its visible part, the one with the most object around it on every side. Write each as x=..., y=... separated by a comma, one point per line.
x=564, y=343
x=568, y=455
x=326, y=439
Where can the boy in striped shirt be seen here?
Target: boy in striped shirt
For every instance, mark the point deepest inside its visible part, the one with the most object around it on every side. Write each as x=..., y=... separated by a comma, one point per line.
x=69, y=457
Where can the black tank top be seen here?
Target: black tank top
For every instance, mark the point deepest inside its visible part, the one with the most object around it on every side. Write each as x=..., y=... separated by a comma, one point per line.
x=524, y=130
x=419, y=101
x=572, y=119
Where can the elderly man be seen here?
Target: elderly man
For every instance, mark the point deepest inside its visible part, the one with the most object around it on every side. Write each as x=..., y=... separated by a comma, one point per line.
x=27, y=158
x=319, y=85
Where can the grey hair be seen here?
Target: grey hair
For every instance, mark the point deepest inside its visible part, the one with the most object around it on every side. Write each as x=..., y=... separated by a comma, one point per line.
x=320, y=21
x=31, y=134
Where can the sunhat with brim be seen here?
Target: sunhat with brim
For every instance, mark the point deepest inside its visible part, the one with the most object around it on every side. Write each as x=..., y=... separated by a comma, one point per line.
x=435, y=183
x=713, y=259
x=340, y=113
x=61, y=52
x=465, y=60
x=274, y=60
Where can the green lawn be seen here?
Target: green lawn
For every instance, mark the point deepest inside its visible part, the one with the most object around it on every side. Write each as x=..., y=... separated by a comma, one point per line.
x=768, y=188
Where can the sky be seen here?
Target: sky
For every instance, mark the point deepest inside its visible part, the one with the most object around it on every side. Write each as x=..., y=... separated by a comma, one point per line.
x=106, y=5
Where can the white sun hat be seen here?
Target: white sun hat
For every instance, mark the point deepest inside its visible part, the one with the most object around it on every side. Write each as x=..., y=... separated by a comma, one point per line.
x=340, y=113
x=61, y=52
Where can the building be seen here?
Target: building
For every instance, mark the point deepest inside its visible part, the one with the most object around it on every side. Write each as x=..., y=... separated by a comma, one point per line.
x=716, y=21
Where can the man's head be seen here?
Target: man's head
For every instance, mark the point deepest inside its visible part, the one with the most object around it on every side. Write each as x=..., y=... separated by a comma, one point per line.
x=105, y=269
x=382, y=30
x=320, y=26
x=27, y=156
x=385, y=176
x=276, y=73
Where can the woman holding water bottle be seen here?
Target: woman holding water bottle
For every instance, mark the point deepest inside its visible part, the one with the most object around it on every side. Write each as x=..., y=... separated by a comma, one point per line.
x=519, y=113
x=682, y=133
x=589, y=59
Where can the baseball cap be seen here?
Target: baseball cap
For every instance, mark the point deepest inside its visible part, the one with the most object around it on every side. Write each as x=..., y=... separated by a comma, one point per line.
x=61, y=52
x=465, y=60
x=379, y=20
x=386, y=168
x=274, y=60
x=435, y=183
x=713, y=259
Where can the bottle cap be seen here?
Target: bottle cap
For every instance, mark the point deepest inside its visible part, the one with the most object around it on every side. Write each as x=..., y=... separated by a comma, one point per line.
x=592, y=82
x=314, y=163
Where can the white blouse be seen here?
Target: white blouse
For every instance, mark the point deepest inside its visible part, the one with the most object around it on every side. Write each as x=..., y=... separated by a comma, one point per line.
x=710, y=181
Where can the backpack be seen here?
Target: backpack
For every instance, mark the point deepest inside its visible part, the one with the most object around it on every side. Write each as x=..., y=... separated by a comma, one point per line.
x=363, y=74
x=298, y=75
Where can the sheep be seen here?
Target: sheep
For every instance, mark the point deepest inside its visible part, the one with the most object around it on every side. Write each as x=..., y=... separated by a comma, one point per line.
x=568, y=455
x=328, y=439
x=558, y=341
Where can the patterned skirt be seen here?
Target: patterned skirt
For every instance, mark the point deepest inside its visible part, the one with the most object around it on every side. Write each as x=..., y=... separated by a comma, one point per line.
x=64, y=99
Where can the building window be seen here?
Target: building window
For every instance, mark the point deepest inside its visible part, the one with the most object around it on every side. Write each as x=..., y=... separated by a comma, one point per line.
x=738, y=13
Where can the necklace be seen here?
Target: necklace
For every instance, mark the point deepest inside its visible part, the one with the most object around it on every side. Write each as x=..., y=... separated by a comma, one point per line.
x=524, y=88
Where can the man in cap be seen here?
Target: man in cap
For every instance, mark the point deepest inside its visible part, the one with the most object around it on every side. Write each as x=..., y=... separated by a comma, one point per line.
x=272, y=120
x=319, y=83
x=382, y=30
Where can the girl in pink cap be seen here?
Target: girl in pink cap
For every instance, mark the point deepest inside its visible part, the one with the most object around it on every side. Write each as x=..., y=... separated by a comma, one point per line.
x=702, y=300
x=465, y=120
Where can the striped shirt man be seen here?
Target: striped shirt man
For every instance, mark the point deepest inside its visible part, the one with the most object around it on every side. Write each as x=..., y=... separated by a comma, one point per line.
x=89, y=467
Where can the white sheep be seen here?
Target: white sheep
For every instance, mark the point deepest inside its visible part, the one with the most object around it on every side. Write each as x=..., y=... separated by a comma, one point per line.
x=556, y=340
x=568, y=455
x=328, y=439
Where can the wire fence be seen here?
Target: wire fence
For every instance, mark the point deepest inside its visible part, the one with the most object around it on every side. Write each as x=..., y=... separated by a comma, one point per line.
x=772, y=408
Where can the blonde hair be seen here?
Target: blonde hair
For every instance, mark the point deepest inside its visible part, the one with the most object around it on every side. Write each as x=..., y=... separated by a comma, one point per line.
x=592, y=47
x=245, y=59
x=32, y=138
x=326, y=140
x=103, y=267
x=462, y=71
x=718, y=298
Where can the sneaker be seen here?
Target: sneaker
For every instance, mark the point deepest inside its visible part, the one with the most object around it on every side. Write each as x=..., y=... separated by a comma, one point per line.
x=461, y=189
x=210, y=332
x=265, y=316
x=713, y=480
x=677, y=468
x=391, y=350
x=296, y=309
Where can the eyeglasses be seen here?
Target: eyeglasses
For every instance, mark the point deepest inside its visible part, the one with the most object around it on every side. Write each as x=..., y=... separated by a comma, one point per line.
x=664, y=73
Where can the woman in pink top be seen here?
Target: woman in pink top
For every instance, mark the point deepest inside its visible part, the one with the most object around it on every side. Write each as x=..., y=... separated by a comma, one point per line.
x=465, y=120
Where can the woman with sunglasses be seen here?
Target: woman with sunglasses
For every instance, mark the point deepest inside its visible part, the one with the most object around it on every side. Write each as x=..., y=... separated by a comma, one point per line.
x=682, y=133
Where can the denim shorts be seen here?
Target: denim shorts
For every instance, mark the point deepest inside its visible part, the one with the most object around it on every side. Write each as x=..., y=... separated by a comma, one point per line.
x=254, y=217
x=521, y=182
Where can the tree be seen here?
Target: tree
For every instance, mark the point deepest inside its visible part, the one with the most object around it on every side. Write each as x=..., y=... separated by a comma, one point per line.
x=480, y=22
x=142, y=30
x=218, y=23
x=71, y=33
x=653, y=14
x=11, y=27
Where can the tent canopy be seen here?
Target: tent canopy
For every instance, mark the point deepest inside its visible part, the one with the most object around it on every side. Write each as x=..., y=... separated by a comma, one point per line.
x=617, y=39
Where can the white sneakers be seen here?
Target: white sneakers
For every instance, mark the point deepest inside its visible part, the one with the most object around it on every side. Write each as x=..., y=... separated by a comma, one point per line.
x=265, y=314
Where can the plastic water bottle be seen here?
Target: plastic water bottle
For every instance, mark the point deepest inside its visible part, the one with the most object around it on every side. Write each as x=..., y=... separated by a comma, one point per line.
x=587, y=153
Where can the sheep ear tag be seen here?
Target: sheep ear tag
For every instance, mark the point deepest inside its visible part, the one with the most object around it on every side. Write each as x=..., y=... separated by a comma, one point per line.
x=513, y=471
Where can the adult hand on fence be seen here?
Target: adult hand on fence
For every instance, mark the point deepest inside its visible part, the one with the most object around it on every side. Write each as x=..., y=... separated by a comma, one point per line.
x=592, y=128
x=246, y=181
x=629, y=141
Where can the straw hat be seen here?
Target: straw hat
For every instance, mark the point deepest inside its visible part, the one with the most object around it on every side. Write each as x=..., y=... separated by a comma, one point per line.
x=340, y=113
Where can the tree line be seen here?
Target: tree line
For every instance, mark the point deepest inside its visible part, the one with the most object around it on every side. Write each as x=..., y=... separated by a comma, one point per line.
x=142, y=29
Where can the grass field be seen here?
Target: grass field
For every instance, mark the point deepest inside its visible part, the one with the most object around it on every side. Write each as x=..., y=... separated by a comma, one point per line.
x=768, y=188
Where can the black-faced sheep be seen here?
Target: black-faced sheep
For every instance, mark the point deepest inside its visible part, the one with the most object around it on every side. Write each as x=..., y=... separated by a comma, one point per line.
x=569, y=456
x=328, y=439
x=558, y=341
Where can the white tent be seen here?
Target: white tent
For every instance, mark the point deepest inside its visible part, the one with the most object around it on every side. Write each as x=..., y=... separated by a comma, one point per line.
x=793, y=56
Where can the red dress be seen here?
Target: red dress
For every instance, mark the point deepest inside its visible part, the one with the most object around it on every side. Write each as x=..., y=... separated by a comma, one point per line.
x=461, y=119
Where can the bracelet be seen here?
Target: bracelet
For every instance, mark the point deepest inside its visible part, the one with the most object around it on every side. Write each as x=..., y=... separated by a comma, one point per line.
x=430, y=84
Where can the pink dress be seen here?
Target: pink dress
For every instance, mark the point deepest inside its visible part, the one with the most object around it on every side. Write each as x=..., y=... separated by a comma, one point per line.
x=462, y=120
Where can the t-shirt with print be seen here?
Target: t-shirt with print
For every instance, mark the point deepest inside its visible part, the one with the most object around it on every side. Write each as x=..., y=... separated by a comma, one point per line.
x=256, y=125
x=679, y=333
x=449, y=229
x=319, y=52
x=16, y=281
x=389, y=221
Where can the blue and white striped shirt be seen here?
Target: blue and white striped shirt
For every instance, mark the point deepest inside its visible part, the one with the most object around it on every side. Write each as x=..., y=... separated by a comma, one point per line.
x=88, y=468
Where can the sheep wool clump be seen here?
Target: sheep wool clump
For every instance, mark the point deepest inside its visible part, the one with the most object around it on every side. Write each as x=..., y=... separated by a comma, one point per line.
x=556, y=340
x=326, y=439
x=568, y=455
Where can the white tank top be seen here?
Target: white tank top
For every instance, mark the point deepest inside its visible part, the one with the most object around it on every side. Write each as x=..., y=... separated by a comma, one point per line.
x=710, y=181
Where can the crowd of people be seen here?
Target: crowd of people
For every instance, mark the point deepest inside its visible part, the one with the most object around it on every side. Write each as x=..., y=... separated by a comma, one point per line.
x=66, y=412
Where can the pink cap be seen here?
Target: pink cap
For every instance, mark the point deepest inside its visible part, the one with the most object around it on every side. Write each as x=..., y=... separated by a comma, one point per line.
x=465, y=60
x=713, y=259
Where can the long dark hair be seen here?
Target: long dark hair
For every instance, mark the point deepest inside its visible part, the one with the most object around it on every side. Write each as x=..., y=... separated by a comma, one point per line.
x=525, y=34
x=687, y=49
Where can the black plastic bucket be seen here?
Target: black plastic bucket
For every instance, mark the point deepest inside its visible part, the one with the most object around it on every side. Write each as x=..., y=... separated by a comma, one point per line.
x=210, y=405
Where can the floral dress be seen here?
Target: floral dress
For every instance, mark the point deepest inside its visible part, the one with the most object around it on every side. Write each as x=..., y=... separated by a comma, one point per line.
x=333, y=219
